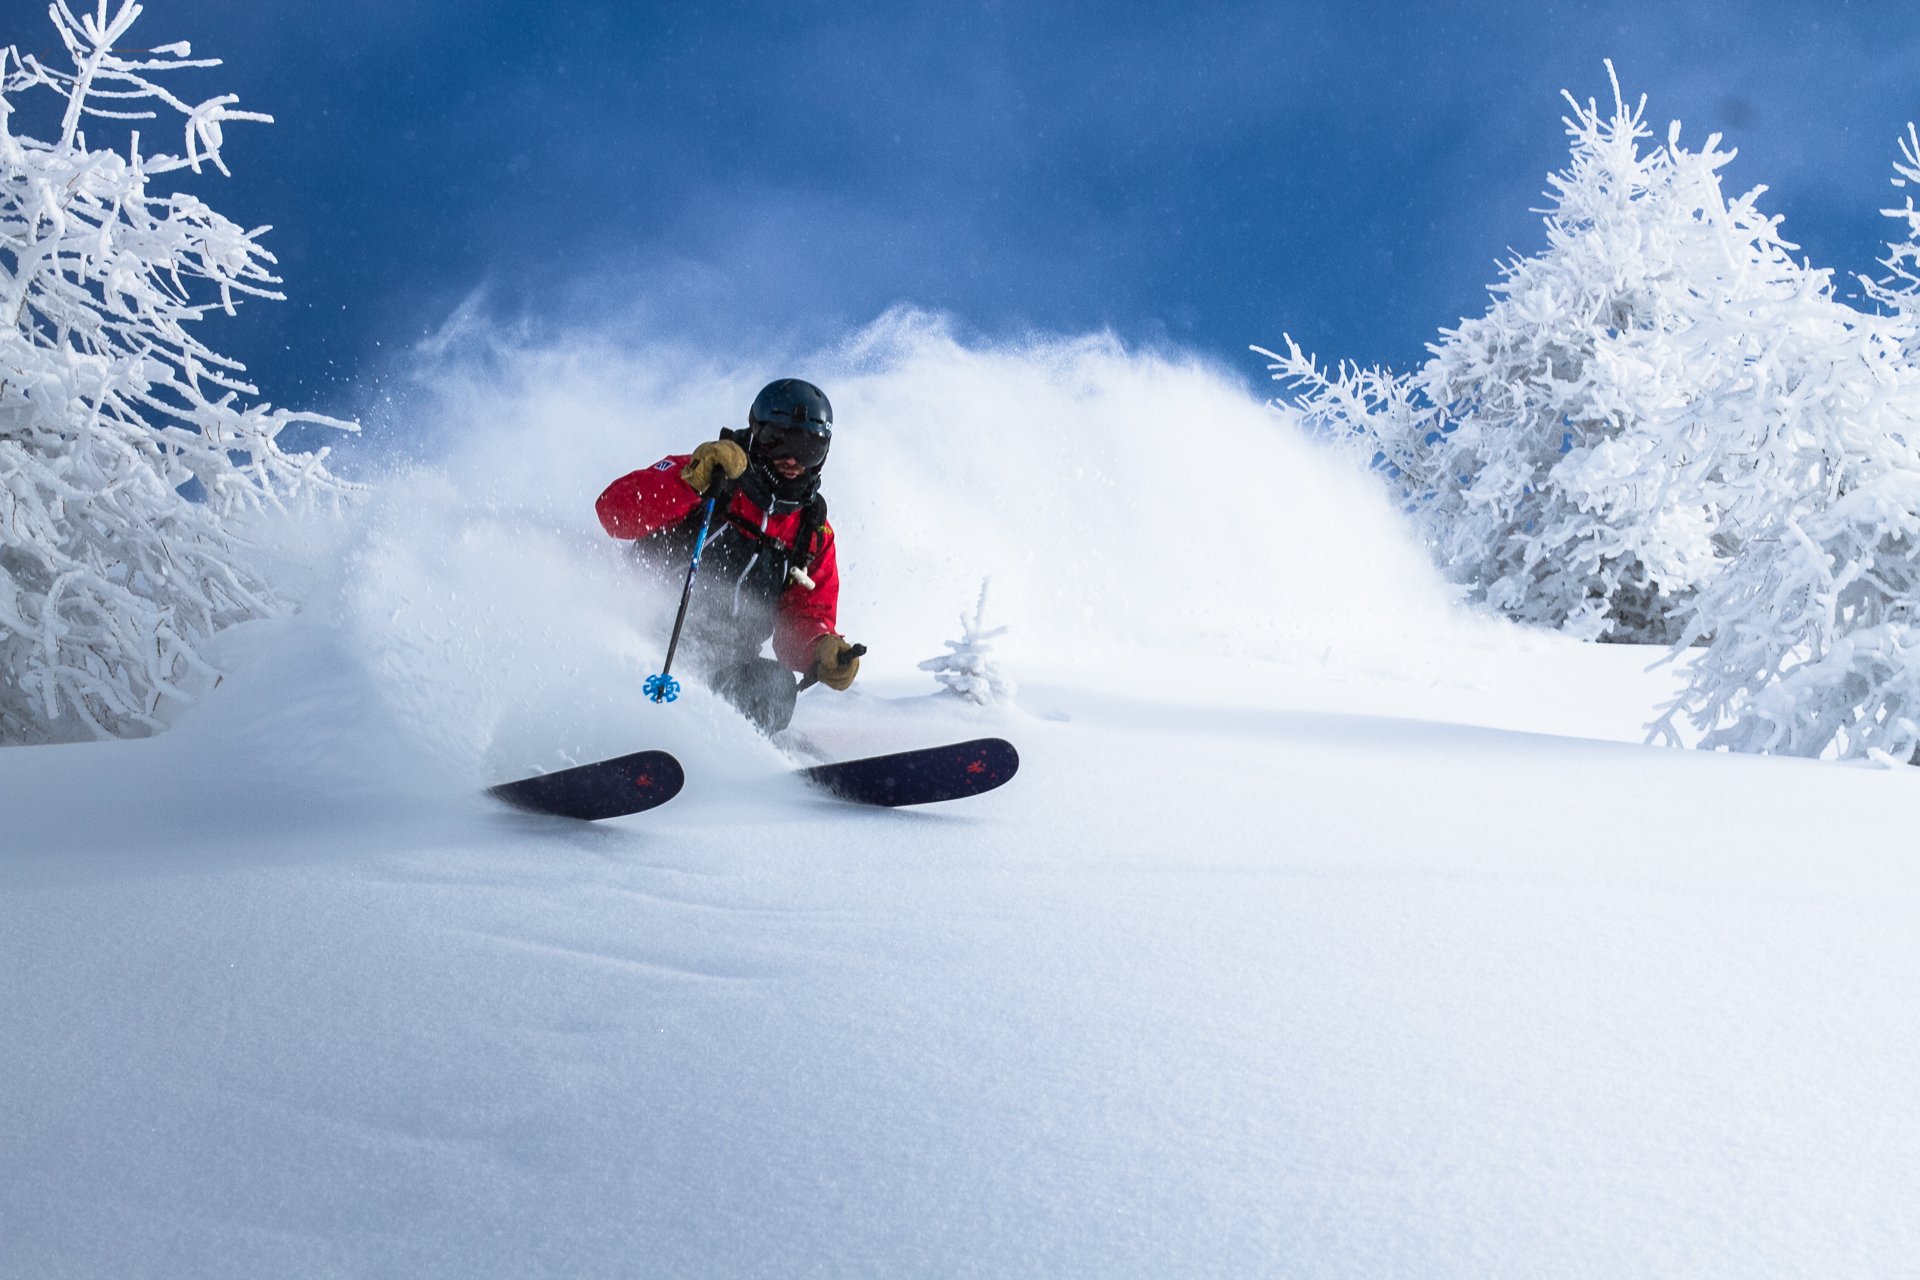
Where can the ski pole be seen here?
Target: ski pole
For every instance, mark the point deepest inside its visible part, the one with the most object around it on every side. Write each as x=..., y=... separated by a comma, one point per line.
x=663, y=687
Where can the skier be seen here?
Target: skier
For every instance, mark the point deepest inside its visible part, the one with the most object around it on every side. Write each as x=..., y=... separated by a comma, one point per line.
x=769, y=570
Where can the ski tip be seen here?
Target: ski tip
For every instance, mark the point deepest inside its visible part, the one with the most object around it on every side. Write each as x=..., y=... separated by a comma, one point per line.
x=993, y=764
x=928, y=775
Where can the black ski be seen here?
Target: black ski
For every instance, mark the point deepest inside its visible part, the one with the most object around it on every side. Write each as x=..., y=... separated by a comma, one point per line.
x=949, y=772
x=603, y=789
x=641, y=781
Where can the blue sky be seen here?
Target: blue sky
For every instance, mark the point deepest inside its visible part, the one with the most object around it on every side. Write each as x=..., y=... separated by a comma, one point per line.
x=1201, y=175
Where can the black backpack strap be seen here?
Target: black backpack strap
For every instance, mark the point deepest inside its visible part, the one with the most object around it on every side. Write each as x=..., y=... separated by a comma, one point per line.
x=813, y=528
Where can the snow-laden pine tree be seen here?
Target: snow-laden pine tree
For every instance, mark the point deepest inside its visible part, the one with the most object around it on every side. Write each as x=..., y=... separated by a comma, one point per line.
x=130, y=455
x=1813, y=631
x=1815, y=647
x=1899, y=289
x=968, y=668
x=1365, y=407
x=1638, y=399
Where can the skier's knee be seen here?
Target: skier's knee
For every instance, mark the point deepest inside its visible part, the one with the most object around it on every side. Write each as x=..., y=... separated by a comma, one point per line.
x=761, y=690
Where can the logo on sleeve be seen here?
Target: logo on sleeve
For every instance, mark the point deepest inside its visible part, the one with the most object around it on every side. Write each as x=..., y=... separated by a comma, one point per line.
x=665, y=464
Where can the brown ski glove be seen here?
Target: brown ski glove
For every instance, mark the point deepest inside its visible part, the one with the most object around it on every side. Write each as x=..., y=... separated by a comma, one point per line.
x=834, y=661
x=715, y=457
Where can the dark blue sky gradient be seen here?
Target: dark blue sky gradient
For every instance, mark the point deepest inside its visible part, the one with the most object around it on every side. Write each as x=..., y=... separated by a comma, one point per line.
x=1199, y=175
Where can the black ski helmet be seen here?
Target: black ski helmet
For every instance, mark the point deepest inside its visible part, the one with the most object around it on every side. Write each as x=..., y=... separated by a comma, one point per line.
x=790, y=418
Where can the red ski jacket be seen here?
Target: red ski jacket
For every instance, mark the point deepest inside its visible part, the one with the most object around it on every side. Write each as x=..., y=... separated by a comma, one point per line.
x=645, y=503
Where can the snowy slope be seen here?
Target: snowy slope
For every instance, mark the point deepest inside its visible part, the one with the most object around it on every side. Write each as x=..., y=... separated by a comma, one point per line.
x=1324, y=933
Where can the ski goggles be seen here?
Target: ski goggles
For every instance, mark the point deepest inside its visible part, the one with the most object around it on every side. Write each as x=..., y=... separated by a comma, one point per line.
x=805, y=445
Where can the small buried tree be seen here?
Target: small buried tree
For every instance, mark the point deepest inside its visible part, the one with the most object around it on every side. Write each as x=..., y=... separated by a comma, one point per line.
x=969, y=669
x=130, y=459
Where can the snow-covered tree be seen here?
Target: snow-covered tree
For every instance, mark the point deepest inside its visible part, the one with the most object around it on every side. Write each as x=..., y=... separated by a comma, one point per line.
x=1639, y=398
x=130, y=457
x=1900, y=288
x=1815, y=647
x=1367, y=407
x=1813, y=631
x=968, y=668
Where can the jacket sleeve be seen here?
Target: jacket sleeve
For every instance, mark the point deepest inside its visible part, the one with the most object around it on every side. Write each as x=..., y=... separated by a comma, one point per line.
x=805, y=615
x=643, y=502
